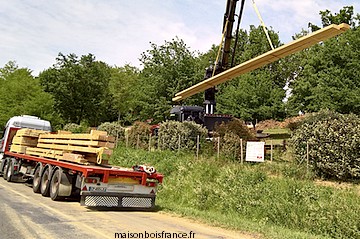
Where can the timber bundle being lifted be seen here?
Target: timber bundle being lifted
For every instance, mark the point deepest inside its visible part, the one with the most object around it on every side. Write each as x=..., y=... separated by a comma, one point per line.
x=83, y=149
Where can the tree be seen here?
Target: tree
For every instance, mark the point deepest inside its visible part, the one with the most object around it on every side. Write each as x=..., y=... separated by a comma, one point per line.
x=21, y=93
x=80, y=89
x=328, y=76
x=259, y=94
x=168, y=69
x=125, y=92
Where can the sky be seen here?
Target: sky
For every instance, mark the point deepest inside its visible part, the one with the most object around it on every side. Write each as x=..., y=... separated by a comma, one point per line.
x=33, y=32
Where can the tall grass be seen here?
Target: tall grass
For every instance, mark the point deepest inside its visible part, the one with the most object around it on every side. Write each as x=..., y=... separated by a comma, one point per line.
x=250, y=197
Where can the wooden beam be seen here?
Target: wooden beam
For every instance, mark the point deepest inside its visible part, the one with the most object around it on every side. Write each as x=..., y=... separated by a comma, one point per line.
x=75, y=142
x=74, y=148
x=264, y=59
x=98, y=137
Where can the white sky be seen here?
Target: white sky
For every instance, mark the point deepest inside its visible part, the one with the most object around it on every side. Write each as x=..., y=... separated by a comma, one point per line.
x=33, y=32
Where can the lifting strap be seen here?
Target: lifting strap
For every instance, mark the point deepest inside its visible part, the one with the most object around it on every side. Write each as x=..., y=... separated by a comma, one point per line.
x=263, y=24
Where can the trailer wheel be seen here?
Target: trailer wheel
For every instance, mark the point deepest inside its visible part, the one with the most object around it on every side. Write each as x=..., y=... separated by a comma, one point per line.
x=2, y=167
x=10, y=171
x=6, y=166
x=45, y=182
x=55, y=185
x=37, y=180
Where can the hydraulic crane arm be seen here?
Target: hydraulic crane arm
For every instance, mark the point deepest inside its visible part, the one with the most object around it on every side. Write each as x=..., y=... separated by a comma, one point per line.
x=222, y=59
x=229, y=19
x=264, y=59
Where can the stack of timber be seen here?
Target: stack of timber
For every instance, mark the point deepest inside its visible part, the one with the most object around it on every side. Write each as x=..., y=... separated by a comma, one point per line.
x=78, y=148
x=25, y=138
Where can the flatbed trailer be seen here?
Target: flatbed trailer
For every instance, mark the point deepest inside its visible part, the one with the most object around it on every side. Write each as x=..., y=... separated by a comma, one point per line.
x=97, y=185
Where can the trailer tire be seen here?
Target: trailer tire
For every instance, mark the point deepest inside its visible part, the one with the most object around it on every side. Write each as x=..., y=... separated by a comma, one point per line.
x=45, y=181
x=55, y=185
x=10, y=171
x=6, y=166
x=37, y=180
x=2, y=167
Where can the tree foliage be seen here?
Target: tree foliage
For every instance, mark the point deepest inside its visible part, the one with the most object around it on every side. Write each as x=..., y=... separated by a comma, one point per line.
x=126, y=93
x=328, y=73
x=345, y=15
x=168, y=69
x=21, y=93
x=79, y=88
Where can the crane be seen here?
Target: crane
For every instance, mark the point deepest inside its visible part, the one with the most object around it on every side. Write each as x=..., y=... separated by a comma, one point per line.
x=222, y=61
x=205, y=115
x=222, y=71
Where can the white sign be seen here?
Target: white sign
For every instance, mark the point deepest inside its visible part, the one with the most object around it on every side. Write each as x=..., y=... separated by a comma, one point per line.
x=255, y=151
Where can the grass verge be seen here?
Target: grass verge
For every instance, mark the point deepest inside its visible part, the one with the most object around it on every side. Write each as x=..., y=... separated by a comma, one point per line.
x=269, y=199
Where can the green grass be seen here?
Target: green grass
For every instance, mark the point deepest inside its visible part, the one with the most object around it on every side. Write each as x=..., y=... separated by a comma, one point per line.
x=277, y=136
x=277, y=131
x=275, y=199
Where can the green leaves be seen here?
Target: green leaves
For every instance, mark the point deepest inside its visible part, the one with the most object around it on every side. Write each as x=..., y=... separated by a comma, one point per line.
x=79, y=88
x=168, y=69
x=333, y=140
x=21, y=93
x=82, y=89
x=126, y=93
x=174, y=133
x=329, y=72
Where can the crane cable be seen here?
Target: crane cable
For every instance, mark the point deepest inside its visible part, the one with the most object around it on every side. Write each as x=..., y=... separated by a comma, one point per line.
x=220, y=46
x=263, y=24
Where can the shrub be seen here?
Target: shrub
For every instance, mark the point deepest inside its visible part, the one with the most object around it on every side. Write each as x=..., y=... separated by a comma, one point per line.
x=236, y=127
x=114, y=129
x=333, y=140
x=77, y=128
x=170, y=131
x=293, y=122
x=268, y=124
x=138, y=135
x=230, y=134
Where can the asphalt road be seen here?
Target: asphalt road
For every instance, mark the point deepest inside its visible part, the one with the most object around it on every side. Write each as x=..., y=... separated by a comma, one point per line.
x=24, y=214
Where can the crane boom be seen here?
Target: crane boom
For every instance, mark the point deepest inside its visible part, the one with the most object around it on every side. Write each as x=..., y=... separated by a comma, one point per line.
x=222, y=60
x=230, y=18
x=264, y=59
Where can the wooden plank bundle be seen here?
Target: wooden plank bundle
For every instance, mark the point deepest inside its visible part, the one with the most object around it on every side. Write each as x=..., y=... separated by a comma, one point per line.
x=30, y=132
x=45, y=153
x=78, y=148
x=25, y=138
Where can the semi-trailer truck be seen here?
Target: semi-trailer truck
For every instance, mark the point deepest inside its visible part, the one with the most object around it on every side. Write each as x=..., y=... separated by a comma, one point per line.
x=96, y=185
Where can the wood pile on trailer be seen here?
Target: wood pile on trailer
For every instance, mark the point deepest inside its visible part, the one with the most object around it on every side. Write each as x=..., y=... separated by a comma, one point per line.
x=65, y=146
x=25, y=138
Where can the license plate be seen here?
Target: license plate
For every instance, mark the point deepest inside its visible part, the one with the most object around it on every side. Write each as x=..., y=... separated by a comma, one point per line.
x=120, y=187
x=97, y=189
